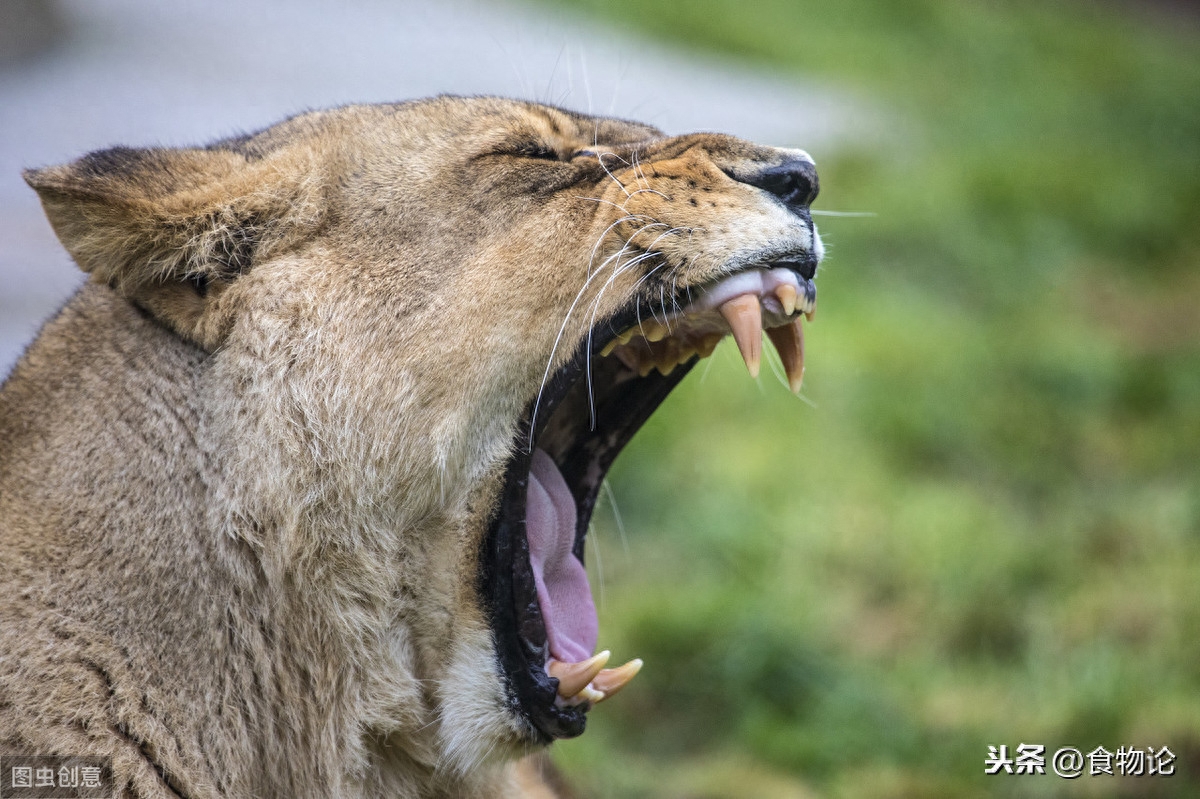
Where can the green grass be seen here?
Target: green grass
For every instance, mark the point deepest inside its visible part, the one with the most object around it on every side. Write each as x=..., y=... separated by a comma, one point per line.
x=985, y=526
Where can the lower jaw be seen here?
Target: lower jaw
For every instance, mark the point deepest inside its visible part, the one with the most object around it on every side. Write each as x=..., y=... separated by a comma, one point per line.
x=507, y=582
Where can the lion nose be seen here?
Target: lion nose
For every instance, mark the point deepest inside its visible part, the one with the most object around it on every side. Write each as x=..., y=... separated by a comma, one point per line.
x=794, y=182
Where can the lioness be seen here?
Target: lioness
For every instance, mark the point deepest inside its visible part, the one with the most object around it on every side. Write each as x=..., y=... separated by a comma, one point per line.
x=293, y=492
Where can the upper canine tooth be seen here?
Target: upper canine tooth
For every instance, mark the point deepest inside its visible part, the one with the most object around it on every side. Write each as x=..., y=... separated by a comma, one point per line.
x=609, y=347
x=787, y=298
x=744, y=315
x=789, y=343
x=610, y=681
x=627, y=335
x=574, y=677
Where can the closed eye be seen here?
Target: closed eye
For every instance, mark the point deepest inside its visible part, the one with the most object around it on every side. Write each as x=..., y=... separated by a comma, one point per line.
x=535, y=150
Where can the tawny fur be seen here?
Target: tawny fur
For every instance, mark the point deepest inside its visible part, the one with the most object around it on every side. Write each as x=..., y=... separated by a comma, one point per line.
x=246, y=472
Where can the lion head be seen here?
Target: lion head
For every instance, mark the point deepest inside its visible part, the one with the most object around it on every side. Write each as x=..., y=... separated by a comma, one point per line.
x=416, y=337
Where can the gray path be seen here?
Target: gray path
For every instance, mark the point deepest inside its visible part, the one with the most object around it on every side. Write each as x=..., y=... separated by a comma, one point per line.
x=175, y=73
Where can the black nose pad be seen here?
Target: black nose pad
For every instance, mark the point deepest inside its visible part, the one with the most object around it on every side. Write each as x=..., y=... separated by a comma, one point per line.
x=794, y=182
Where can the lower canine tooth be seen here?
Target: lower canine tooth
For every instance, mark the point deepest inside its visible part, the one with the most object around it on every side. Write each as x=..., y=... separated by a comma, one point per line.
x=789, y=343
x=574, y=677
x=744, y=315
x=609, y=681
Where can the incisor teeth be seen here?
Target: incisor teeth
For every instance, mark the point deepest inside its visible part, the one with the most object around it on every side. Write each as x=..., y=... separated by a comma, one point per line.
x=589, y=694
x=787, y=298
x=574, y=677
x=609, y=681
x=744, y=315
x=809, y=306
x=789, y=343
x=586, y=695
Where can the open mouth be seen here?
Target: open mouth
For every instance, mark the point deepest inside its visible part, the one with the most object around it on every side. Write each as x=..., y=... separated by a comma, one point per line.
x=532, y=576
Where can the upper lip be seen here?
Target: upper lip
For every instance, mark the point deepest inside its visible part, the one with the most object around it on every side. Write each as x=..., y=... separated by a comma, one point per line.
x=805, y=265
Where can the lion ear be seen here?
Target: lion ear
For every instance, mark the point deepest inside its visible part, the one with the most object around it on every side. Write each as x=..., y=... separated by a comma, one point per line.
x=164, y=226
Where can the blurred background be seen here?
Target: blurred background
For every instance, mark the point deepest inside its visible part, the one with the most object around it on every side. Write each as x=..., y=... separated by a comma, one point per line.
x=980, y=525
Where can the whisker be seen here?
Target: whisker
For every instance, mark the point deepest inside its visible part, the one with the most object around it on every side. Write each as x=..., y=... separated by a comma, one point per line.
x=618, y=270
x=607, y=171
x=612, y=503
x=562, y=328
x=587, y=86
x=607, y=230
x=554, y=70
x=648, y=190
x=607, y=153
x=707, y=368
x=595, y=542
x=638, y=173
x=620, y=208
x=643, y=279
x=775, y=364
x=554, y=349
x=605, y=235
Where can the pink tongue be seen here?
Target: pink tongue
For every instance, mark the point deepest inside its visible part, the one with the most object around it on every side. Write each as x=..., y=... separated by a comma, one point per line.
x=562, y=584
